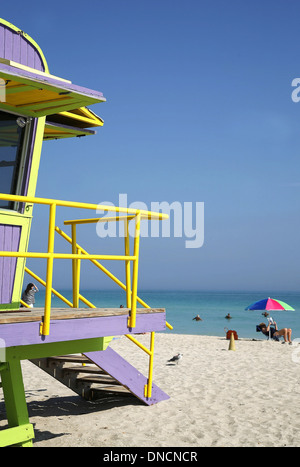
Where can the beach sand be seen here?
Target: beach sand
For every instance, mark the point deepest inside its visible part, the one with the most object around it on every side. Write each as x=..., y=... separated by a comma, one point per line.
x=218, y=397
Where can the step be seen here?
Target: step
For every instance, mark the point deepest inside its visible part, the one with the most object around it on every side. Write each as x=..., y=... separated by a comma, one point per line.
x=98, y=380
x=98, y=392
x=70, y=359
x=103, y=365
x=83, y=369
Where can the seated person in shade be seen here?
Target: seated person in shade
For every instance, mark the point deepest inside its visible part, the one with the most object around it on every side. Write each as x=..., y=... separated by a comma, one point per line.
x=28, y=294
x=286, y=333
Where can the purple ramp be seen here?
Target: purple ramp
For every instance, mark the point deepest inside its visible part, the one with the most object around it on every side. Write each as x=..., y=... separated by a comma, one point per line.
x=116, y=366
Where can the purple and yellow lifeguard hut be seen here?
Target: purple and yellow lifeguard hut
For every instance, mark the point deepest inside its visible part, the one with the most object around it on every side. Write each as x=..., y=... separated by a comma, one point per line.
x=37, y=106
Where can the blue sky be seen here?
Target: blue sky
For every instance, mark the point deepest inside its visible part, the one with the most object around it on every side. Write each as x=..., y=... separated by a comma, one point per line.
x=198, y=109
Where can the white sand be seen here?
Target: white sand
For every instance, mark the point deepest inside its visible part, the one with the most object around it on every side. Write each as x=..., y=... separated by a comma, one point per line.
x=247, y=397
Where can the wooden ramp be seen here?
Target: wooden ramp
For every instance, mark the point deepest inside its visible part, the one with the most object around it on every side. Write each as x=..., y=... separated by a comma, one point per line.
x=126, y=374
x=98, y=374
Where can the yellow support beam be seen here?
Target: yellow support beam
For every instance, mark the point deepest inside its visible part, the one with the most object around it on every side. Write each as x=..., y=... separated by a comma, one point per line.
x=25, y=254
x=150, y=374
x=47, y=313
x=75, y=269
x=86, y=301
x=73, y=204
x=148, y=386
x=127, y=265
x=136, y=342
x=135, y=269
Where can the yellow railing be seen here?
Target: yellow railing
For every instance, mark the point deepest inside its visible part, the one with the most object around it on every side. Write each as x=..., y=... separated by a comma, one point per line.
x=131, y=295
x=102, y=268
x=76, y=251
x=79, y=254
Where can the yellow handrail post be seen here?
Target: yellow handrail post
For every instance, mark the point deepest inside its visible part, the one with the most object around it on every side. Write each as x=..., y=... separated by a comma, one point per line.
x=49, y=276
x=132, y=317
x=127, y=263
x=75, y=265
x=150, y=375
x=78, y=274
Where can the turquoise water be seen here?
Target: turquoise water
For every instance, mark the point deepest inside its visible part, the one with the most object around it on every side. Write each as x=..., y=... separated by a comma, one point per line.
x=182, y=306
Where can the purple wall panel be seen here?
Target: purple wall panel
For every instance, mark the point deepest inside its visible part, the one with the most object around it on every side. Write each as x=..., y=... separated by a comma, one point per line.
x=16, y=47
x=9, y=241
x=1, y=41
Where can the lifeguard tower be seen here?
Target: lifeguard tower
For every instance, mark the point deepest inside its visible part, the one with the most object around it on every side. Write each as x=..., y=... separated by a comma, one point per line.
x=70, y=343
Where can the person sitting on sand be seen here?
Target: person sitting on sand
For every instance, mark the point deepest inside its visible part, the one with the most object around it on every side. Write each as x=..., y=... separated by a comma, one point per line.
x=228, y=316
x=286, y=333
x=197, y=318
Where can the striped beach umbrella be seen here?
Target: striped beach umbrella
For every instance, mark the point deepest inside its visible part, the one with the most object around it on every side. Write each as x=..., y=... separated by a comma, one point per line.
x=269, y=304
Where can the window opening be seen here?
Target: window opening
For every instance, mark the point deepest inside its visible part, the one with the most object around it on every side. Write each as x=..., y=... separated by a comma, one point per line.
x=14, y=141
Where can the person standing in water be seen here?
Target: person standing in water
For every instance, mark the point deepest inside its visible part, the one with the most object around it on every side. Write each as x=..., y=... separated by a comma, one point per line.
x=197, y=318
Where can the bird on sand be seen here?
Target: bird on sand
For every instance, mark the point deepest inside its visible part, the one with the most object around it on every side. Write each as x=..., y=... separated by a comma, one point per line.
x=176, y=358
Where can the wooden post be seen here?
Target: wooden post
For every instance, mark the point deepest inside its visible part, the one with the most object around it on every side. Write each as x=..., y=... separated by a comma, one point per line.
x=16, y=408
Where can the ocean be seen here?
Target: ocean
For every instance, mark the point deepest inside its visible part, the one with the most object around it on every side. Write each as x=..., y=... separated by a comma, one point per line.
x=182, y=306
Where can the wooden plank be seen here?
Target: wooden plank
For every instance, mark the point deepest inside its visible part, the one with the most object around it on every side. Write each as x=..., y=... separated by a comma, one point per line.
x=69, y=313
x=84, y=369
x=69, y=358
x=107, y=391
x=98, y=380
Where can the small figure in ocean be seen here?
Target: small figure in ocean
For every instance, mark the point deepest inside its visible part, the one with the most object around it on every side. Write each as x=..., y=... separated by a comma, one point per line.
x=29, y=293
x=176, y=358
x=265, y=314
x=228, y=316
x=197, y=318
